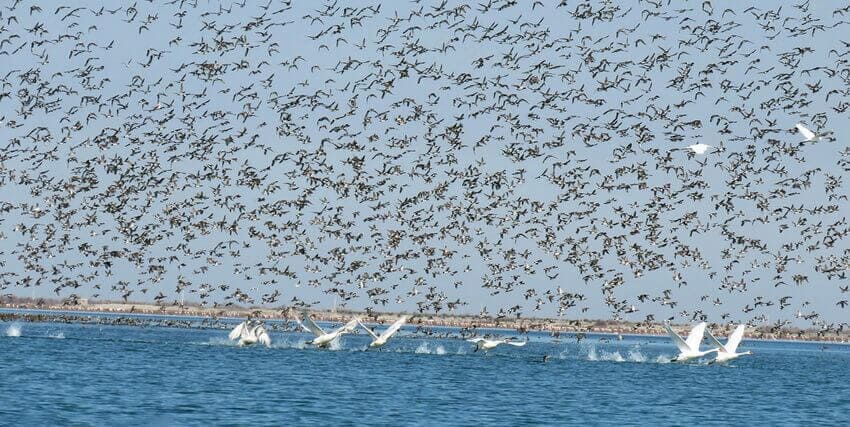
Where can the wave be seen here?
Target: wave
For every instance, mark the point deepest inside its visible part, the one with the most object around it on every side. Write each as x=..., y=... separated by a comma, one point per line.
x=13, y=330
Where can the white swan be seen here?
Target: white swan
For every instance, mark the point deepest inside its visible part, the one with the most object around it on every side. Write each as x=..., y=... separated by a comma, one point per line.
x=689, y=349
x=485, y=344
x=728, y=351
x=249, y=333
x=324, y=339
x=807, y=133
x=379, y=340
x=699, y=148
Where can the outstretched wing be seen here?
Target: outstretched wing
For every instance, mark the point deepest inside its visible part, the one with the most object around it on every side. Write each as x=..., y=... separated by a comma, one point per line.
x=517, y=343
x=311, y=326
x=394, y=327
x=680, y=343
x=262, y=336
x=735, y=338
x=348, y=327
x=369, y=331
x=808, y=134
x=236, y=332
x=713, y=341
x=696, y=336
x=476, y=340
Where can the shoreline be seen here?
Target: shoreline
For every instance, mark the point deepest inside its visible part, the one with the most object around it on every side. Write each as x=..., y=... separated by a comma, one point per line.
x=554, y=327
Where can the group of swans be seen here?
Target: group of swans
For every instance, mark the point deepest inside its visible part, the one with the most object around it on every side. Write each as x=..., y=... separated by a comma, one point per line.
x=690, y=348
x=325, y=339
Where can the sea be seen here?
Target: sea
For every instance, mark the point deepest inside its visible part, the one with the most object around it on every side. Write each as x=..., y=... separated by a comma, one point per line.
x=99, y=374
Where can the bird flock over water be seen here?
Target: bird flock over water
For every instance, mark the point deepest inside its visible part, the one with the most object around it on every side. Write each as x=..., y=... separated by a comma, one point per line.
x=647, y=160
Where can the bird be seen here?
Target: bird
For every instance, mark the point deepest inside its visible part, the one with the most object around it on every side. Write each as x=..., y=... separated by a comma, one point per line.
x=699, y=148
x=380, y=340
x=485, y=345
x=728, y=351
x=325, y=339
x=249, y=333
x=689, y=349
x=808, y=134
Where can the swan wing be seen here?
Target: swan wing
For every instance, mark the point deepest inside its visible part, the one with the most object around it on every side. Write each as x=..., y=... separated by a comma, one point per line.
x=735, y=338
x=236, y=332
x=476, y=340
x=696, y=336
x=368, y=331
x=311, y=326
x=262, y=336
x=680, y=343
x=348, y=327
x=713, y=341
x=808, y=134
x=394, y=327
x=516, y=343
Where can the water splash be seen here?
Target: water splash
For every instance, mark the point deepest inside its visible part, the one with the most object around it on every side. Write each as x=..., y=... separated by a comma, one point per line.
x=424, y=348
x=13, y=330
x=58, y=336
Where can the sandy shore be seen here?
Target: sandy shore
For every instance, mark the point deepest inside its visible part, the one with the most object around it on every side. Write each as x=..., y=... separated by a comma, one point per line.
x=554, y=326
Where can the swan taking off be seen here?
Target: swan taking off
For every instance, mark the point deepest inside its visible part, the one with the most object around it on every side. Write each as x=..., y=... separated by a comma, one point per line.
x=726, y=351
x=809, y=134
x=250, y=332
x=379, y=340
x=324, y=339
x=689, y=349
x=484, y=344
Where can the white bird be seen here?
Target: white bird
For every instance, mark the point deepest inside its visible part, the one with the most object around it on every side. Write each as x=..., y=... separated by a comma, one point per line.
x=249, y=333
x=689, y=349
x=808, y=134
x=728, y=351
x=379, y=340
x=699, y=148
x=324, y=339
x=485, y=344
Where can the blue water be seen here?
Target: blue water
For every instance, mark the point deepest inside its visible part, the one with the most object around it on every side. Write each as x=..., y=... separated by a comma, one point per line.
x=79, y=374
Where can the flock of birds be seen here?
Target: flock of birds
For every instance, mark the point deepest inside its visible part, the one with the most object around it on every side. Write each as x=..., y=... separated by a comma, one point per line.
x=252, y=332
x=433, y=156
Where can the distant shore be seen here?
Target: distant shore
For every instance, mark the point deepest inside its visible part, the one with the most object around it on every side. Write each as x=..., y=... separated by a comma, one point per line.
x=553, y=326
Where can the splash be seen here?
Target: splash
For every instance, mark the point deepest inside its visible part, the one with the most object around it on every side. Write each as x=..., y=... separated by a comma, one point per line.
x=593, y=356
x=13, y=331
x=58, y=336
x=424, y=348
x=635, y=355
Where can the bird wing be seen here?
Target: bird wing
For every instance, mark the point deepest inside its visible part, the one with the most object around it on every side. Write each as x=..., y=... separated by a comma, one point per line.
x=680, y=343
x=808, y=134
x=262, y=336
x=369, y=331
x=476, y=340
x=713, y=341
x=348, y=327
x=237, y=331
x=735, y=338
x=311, y=326
x=517, y=343
x=696, y=336
x=394, y=327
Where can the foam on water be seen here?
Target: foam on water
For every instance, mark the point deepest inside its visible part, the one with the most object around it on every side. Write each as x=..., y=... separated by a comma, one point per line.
x=13, y=330
x=58, y=336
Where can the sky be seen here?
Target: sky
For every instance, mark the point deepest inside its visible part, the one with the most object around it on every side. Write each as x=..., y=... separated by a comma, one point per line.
x=126, y=64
